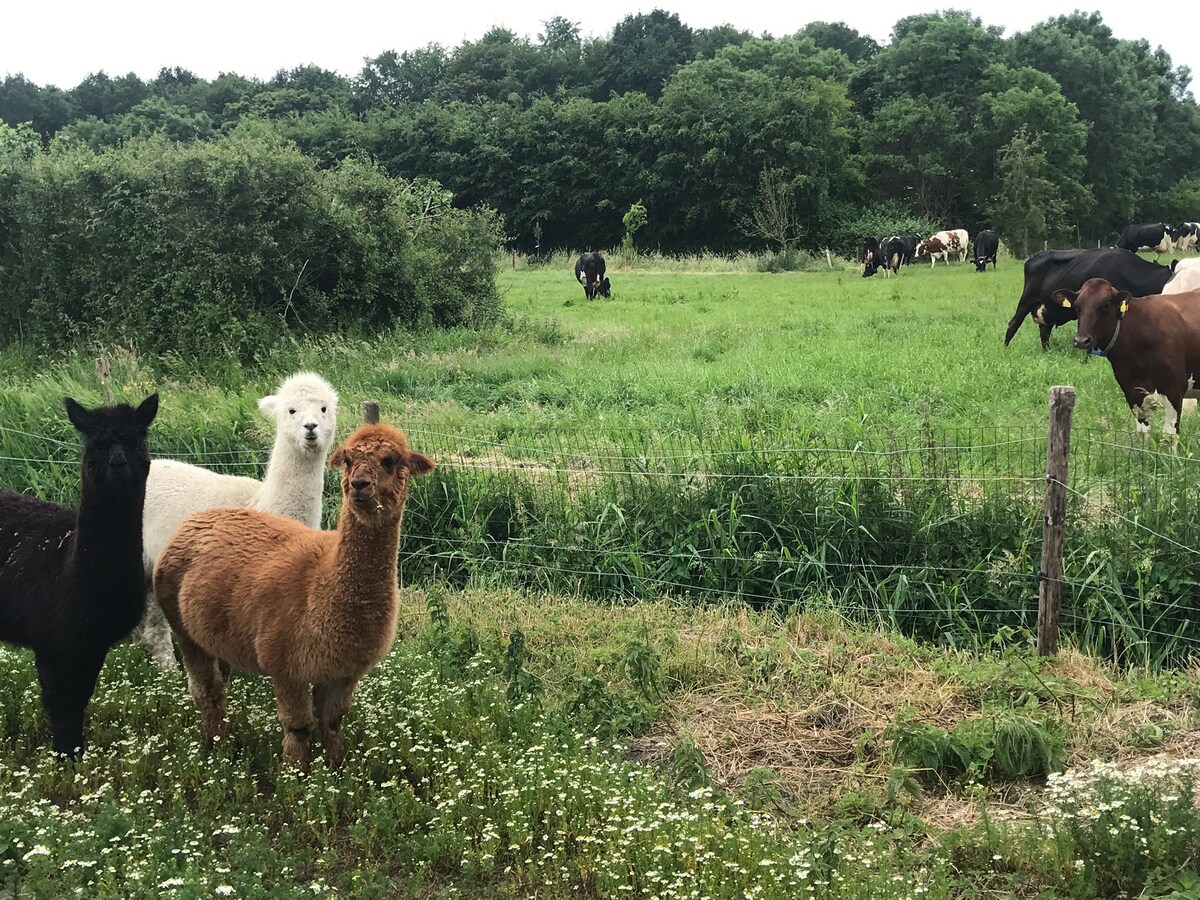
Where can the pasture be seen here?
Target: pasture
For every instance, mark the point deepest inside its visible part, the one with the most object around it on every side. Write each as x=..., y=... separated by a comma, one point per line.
x=826, y=352
x=644, y=654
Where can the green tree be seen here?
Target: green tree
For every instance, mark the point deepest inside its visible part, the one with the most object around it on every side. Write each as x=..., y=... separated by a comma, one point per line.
x=392, y=78
x=1030, y=205
x=47, y=109
x=1014, y=99
x=1142, y=125
x=708, y=42
x=916, y=153
x=492, y=68
x=857, y=47
x=18, y=144
x=936, y=55
x=101, y=96
x=633, y=221
x=644, y=51
x=150, y=117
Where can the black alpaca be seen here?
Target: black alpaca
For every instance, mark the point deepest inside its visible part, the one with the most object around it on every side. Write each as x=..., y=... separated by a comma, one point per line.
x=72, y=583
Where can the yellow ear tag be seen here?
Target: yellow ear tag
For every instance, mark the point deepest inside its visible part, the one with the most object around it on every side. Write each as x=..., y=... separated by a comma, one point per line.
x=1124, y=307
x=1066, y=304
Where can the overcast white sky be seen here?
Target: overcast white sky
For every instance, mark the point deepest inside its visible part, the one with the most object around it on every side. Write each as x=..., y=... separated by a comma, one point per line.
x=61, y=41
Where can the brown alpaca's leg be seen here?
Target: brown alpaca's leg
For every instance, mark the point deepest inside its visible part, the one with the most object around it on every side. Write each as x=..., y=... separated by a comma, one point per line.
x=296, y=717
x=332, y=701
x=207, y=687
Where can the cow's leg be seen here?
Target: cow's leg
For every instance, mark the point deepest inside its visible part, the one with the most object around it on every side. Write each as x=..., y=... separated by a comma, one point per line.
x=1046, y=331
x=1140, y=400
x=1172, y=407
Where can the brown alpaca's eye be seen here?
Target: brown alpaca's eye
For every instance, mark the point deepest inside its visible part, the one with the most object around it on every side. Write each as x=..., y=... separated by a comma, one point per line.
x=388, y=464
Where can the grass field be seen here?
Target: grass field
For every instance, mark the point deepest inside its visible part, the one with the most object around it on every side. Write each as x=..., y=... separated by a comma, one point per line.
x=731, y=734
x=832, y=352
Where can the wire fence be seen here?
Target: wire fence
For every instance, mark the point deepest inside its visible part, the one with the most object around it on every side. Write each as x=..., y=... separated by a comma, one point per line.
x=935, y=533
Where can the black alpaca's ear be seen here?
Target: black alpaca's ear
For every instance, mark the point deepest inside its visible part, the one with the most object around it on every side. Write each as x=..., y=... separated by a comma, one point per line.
x=81, y=418
x=145, y=413
x=419, y=463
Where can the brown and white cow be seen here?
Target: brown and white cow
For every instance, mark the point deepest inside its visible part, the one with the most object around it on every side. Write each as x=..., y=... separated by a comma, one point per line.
x=1152, y=343
x=948, y=242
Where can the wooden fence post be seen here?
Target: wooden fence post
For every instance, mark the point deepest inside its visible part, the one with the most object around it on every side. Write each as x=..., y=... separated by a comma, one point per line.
x=1058, y=447
x=370, y=412
x=104, y=372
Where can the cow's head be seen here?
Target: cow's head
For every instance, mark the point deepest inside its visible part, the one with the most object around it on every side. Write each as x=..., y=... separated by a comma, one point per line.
x=1100, y=308
x=604, y=288
x=981, y=263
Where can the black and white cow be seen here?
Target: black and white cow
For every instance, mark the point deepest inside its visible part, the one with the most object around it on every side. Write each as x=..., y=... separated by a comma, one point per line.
x=986, y=245
x=1186, y=236
x=869, y=255
x=899, y=250
x=896, y=251
x=1156, y=237
x=1067, y=270
x=589, y=271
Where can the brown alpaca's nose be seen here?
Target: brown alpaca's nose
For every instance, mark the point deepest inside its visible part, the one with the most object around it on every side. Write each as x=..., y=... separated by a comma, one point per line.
x=360, y=484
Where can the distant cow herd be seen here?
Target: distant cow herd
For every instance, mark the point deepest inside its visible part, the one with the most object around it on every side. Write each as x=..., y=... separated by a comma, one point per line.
x=1144, y=318
x=892, y=253
x=1141, y=316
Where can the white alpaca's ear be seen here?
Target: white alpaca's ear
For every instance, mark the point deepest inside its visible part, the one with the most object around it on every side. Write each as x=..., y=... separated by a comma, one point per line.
x=268, y=404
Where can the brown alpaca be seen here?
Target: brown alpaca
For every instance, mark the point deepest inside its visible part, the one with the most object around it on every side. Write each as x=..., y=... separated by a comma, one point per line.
x=304, y=607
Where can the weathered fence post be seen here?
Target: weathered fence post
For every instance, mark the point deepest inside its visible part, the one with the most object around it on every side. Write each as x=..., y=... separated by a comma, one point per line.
x=104, y=373
x=1058, y=446
x=370, y=412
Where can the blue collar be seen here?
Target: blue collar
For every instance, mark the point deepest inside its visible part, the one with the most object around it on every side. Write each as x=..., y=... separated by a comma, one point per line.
x=1105, y=351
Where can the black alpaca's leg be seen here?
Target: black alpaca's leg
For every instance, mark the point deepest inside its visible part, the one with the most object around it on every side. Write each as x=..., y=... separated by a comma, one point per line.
x=67, y=686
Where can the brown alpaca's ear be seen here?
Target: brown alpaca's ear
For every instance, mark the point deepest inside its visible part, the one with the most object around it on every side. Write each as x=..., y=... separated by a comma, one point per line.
x=340, y=458
x=419, y=463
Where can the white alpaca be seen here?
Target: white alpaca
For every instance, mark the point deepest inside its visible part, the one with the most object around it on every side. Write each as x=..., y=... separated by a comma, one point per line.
x=305, y=413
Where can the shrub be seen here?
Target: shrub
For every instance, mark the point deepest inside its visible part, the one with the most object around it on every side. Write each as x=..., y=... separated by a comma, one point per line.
x=227, y=245
x=849, y=229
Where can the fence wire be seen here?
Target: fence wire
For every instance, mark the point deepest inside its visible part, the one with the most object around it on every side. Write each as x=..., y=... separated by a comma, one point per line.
x=935, y=532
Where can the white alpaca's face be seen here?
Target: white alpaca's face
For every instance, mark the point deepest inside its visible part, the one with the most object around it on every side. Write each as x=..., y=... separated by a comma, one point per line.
x=307, y=418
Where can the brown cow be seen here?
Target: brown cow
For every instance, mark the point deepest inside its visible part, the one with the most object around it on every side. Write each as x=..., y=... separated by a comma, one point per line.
x=1152, y=342
x=933, y=248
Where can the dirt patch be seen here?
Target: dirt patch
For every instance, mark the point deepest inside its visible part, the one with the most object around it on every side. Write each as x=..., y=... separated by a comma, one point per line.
x=572, y=473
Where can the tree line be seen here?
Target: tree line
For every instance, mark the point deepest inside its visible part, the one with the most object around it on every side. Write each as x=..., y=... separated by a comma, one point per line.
x=1062, y=132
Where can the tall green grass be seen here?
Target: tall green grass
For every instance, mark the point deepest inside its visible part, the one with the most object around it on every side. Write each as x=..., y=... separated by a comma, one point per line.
x=791, y=440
